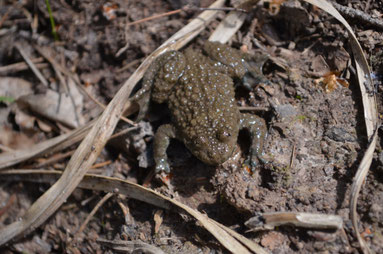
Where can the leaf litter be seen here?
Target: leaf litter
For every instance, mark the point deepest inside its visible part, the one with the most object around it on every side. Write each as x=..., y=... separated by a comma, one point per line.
x=259, y=191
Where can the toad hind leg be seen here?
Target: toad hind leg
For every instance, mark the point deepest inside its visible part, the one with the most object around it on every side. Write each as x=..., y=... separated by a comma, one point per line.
x=257, y=129
x=161, y=142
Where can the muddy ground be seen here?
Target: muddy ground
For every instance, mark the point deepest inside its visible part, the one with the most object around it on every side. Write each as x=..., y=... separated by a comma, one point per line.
x=316, y=130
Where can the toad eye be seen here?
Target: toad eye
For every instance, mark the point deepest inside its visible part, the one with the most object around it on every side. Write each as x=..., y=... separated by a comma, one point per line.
x=223, y=135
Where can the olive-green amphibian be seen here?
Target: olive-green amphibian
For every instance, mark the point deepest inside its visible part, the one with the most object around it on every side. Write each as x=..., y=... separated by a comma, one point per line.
x=198, y=88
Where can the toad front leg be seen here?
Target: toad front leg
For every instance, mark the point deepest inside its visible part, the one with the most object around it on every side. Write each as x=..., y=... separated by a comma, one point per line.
x=159, y=80
x=257, y=129
x=161, y=142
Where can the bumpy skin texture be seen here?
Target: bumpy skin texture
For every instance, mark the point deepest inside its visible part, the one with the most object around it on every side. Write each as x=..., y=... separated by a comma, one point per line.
x=199, y=91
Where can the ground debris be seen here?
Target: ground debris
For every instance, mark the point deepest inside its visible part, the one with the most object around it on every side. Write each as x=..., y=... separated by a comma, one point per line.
x=315, y=138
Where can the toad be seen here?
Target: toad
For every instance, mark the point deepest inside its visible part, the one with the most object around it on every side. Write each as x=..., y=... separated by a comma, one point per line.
x=198, y=88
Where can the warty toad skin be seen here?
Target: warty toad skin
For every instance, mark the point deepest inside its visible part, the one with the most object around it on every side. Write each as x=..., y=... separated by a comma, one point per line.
x=198, y=88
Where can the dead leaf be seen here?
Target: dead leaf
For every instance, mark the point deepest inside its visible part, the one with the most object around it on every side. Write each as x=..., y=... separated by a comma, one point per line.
x=330, y=81
x=338, y=59
x=4, y=112
x=233, y=241
x=158, y=219
x=272, y=240
x=13, y=88
x=319, y=66
x=61, y=107
x=24, y=120
x=45, y=127
x=96, y=138
x=13, y=139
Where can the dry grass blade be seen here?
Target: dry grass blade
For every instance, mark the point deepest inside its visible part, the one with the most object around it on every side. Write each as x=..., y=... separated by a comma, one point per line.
x=61, y=70
x=357, y=185
x=109, y=184
x=45, y=52
x=228, y=27
x=137, y=246
x=175, y=42
x=13, y=157
x=154, y=17
x=94, y=142
x=91, y=182
x=221, y=234
x=370, y=113
x=251, y=245
x=363, y=70
x=21, y=66
x=232, y=22
x=49, y=146
x=30, y=63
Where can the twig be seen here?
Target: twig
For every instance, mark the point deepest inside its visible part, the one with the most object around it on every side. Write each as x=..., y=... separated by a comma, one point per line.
x=125, y=209
x=53, y=159
x=57, y=68
x=154, y=17
x=123, y=118
x=92, y=213
x=6, y=148
x=55, y=65
x=58, y=157
x=359, y=15
x=5, y=16
x=131, y=64
x=32, y=65
x=186, y=8
x=292, y=158
x=123, y=132
x=61, y=69
x=297, y=219
x=222, y=9
x=135, y=246
x=101, y=164
x=21, y=66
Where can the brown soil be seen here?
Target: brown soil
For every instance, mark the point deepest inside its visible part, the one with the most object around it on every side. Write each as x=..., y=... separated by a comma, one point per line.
x=316, y=134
